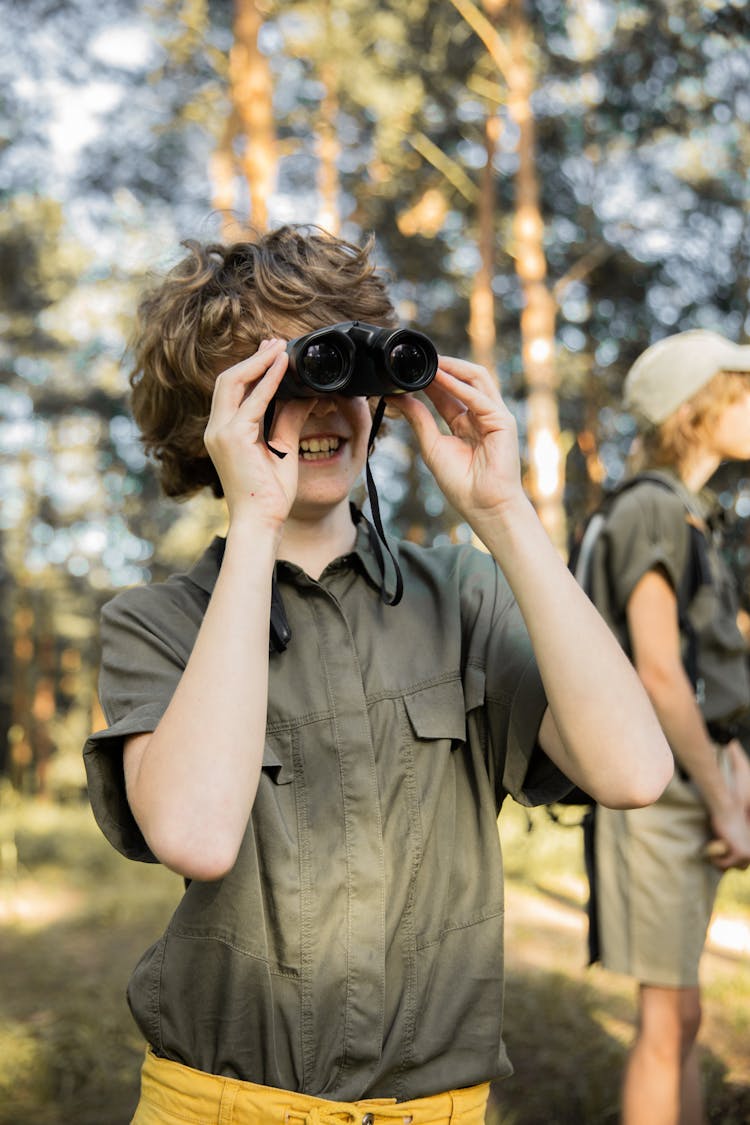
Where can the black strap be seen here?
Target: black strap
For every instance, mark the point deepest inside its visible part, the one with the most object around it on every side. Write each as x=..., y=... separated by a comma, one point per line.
x=377, y=534
x=280, y=632
x=267, y=423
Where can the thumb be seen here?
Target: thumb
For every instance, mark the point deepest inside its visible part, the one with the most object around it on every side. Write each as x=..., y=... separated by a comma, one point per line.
x=420, y=419
x=290, y=417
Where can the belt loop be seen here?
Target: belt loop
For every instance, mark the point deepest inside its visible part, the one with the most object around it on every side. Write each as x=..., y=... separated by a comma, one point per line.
x=226, y=1106
x=309, y=1116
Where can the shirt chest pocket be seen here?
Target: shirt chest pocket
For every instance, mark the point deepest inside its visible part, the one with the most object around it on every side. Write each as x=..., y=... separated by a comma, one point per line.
x=436, y=714
x=433, y=727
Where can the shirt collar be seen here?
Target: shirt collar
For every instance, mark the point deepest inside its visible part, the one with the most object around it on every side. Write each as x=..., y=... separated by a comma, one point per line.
x=205, y=571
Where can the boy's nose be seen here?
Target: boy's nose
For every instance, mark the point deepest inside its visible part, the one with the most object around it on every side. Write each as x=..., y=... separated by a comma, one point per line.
x=323, y=405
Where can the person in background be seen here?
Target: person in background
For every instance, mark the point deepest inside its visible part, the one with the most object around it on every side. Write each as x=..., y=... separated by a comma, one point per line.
x=658, y=868
x=332, y=804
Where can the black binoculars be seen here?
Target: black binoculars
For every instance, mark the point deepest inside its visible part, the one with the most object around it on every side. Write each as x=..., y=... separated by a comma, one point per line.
x=353, y=358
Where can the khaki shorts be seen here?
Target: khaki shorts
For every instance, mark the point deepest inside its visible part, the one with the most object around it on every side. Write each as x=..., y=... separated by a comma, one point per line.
x=172, y=1094
x=655, y=888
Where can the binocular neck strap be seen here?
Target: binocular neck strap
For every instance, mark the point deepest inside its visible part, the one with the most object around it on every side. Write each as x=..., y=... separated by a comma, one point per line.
x=377, y=535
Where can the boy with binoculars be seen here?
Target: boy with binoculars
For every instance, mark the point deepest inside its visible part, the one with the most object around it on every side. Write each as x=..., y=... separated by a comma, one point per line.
x=331, y=799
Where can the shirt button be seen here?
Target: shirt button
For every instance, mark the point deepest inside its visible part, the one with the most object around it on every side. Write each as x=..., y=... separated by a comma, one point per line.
x=368, y=1119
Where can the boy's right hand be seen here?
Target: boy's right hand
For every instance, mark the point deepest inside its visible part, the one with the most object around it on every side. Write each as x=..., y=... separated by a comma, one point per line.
x=258, y=484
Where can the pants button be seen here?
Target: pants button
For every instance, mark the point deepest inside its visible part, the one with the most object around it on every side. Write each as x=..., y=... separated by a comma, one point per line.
x=368, y=1119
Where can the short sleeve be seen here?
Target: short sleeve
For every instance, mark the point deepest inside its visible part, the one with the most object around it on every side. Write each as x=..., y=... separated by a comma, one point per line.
x=146, y=637
x=646, y=530
x=504, y=683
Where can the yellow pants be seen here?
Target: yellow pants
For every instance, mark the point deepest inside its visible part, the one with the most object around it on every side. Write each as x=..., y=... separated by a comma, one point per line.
x=172, y=1094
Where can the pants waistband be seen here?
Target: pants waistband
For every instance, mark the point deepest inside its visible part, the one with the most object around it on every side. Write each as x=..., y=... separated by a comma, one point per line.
x=170, y=1088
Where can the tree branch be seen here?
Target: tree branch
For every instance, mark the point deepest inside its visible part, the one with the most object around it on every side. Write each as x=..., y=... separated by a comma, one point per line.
x=452, y=171
x=582, y=268
x=491, y=38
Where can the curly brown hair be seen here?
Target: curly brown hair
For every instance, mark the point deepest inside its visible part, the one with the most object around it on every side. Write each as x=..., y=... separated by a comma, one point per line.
x=214, y=308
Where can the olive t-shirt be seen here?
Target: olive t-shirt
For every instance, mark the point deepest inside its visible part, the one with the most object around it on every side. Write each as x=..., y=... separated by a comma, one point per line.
x=356, y=948
x=648, y=528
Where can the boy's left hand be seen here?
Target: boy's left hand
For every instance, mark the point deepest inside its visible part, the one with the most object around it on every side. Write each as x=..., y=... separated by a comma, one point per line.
x=477, y=464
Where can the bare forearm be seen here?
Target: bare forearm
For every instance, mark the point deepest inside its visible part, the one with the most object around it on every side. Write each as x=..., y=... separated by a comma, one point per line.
x=612, y=744
x=195, y=782
x=672, y=695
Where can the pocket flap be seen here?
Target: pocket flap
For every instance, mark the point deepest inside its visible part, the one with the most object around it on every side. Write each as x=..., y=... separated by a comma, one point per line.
x=474, y=684
x=438, y=711
x=277, y=757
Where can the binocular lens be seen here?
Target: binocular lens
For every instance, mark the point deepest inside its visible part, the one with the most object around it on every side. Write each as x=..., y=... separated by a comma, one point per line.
x=324, y=365
x=409, y=364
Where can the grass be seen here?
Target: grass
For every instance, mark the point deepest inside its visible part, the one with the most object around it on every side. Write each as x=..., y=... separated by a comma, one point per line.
x=75, y=917
x=568, y=1026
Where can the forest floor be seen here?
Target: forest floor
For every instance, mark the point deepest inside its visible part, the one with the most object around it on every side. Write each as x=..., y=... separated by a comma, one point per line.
x=75, y=917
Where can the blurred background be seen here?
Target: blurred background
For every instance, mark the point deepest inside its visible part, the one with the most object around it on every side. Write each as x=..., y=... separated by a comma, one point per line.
x=552, y=185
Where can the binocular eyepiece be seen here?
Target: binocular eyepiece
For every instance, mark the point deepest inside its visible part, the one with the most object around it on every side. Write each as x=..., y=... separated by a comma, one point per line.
x=352, y=358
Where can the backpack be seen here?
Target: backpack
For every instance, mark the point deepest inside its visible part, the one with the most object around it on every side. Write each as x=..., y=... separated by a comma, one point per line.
x=697, y=573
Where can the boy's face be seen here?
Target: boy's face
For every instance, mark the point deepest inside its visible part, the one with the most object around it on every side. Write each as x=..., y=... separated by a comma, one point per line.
x=332, y=453
x=731, y=434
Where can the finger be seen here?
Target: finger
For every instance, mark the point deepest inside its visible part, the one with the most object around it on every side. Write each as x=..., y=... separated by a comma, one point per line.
x=478, y=397
x=259, y=396
x=419, y=418
x=232, y=385
x=289, y=419
x=448, y=406
x=466, y=372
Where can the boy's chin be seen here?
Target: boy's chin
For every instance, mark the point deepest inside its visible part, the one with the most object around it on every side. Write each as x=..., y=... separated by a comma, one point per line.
x=317, y=503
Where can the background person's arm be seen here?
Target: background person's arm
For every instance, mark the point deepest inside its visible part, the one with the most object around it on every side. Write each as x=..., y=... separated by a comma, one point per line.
x=655, y=641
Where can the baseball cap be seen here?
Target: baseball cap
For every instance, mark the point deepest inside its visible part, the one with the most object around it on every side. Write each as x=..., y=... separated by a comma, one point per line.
x=675, y=368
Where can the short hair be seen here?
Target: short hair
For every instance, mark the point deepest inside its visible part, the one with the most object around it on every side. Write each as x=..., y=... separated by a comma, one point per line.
x=214, y=308
x=671, y=442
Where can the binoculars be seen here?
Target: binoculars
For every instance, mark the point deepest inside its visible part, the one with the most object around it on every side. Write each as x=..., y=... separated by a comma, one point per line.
x=352, y=358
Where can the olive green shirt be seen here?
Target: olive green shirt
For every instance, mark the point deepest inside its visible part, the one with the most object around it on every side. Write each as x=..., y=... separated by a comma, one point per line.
x=648, y=529
x=356, y=948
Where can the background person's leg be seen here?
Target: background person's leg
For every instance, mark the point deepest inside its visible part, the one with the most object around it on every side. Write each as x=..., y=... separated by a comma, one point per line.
x=668, y=1024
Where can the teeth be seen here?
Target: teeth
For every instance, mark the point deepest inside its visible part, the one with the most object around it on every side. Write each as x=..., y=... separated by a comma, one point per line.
x=315, y=449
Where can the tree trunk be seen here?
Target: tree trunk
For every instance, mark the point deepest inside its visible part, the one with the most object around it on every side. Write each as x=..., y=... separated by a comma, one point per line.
x=223, y=169
x=252, y=94
x=539, y=312
x=513, y=61
x=482, y=302
x=328, y=151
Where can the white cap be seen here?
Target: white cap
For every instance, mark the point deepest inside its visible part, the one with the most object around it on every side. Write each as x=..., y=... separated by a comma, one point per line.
x=674, y=369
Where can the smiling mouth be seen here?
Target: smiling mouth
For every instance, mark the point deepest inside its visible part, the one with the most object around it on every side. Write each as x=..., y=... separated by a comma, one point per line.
x=318, y=449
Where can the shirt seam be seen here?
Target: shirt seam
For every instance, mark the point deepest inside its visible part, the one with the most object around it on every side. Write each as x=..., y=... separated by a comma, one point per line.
x=483, y=916
x=285, y=725
x=213, y=935
x=307, y=1014
x=407, y=921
